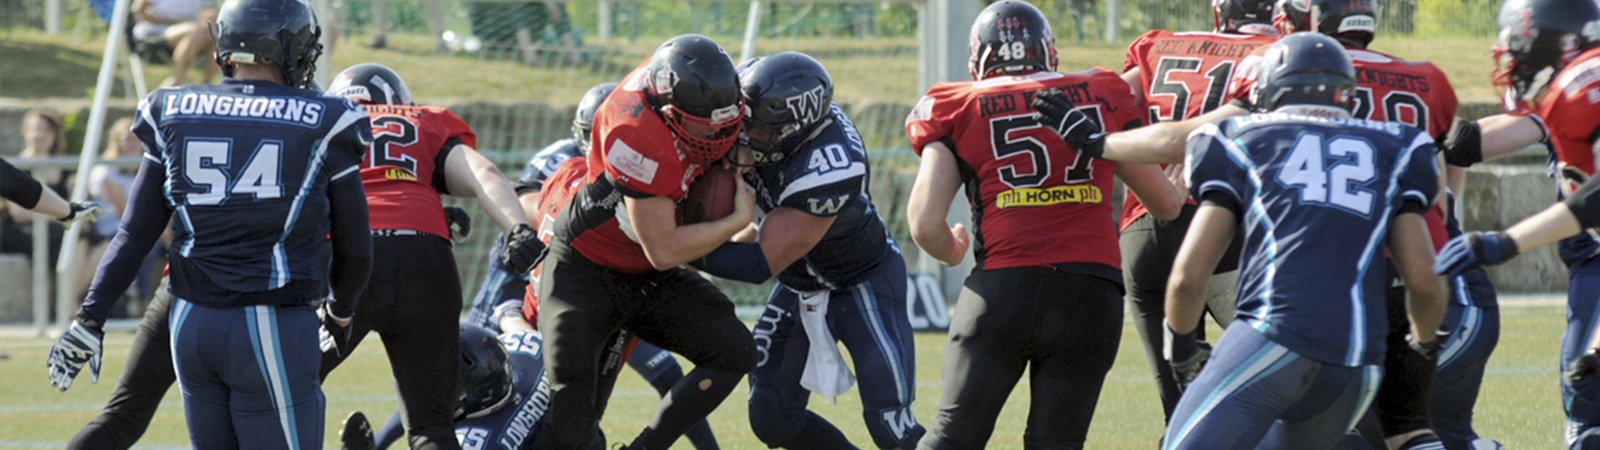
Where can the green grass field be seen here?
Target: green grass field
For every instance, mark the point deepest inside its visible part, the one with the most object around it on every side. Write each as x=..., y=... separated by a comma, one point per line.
x=1519, y=406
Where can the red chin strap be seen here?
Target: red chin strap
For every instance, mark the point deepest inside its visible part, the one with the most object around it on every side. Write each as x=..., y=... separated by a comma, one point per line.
x=701, y=150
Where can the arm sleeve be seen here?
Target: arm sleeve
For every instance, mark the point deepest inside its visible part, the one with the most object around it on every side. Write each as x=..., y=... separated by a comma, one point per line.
x=741, y=261
x=146, y=215
x=351, y=235
x=18, y=186
x=1585, y=204
x=1419, y=178
x=1210, y=170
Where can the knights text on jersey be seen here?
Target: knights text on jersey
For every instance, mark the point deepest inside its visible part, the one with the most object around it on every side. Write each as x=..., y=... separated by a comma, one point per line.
x=1035, y=201
x=404, y=169
x=828, y=177
x=634, y=155
x=248, y=166
x=1314, y=197
x=514, y=425
x=1183, y=75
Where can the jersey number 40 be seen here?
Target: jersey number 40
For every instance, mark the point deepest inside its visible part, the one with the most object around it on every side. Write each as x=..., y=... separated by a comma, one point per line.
x=1339, y=183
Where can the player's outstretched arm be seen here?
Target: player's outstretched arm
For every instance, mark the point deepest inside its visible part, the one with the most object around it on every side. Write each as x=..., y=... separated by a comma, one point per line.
x=1412, y=250
x=1148, y=183
x=785, y=235
x=668, y=245
x=469, y=174
x=1161, y=143
x=931, y=194
x=27, y=192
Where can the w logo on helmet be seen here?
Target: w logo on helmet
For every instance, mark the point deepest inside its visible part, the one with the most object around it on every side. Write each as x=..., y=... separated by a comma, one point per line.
x=807, y=107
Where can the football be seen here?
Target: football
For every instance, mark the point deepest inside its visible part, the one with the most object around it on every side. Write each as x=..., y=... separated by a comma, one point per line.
x=710, y=197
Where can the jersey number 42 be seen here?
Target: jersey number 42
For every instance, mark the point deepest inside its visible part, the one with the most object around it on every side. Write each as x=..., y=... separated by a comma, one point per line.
x=1339, y=183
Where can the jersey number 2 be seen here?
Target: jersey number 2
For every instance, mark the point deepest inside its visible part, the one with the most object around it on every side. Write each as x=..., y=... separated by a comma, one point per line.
x=1000, y=130
x=204, y=163
x=1339, y=184
x=390, y=134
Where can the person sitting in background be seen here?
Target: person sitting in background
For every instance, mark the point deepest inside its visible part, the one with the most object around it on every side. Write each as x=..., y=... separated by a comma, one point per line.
x=176, y=31
x=42, y=137
x=108, y=188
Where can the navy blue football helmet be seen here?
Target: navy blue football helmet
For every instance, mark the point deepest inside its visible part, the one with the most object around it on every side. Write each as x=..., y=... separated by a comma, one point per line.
x=546, y=160
x=371, y=83
x=583, y=121
x=788, y=96
x=277, y=32
x=485, y=383
x=1304, y=69
x=1350, y=21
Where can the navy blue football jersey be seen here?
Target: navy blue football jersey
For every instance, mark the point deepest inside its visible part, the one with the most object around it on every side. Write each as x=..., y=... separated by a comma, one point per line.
x=514, y=425
x=1314, y=196
x=247, y=167
x=828, y=177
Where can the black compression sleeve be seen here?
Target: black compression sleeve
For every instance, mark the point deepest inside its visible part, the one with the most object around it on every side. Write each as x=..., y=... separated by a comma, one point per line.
x=18, y=186
x=352, y=244
x=1223, y=200
x=1585, y=203
x=142, y=222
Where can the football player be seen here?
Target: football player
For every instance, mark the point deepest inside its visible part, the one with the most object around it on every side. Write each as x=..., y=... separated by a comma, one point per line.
x=1182, y=75
x=1042, y=218
x=840, y=273
x=500, y=393
x=505, y=294
x=1547, y=59
x=613, y=262
x=1306, y=364
x=259, y=178
x=419, y=153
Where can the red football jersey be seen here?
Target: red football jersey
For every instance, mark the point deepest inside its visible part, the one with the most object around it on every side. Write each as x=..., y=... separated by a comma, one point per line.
x=1389, y=89
x=1182, y=75
x=403, y=172
x=1035, y=201
x=1568, y=108
x=634, y=154
x=559, y=189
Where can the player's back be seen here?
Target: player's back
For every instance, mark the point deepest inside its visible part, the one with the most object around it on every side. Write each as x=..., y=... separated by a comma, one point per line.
x=248, y=168
x=1567, y=107
x=403, y=172
x=513, y=426
x=1315, y=196
x=1184, y=74
x=1035, y=201
x=1388, y=89
x=828, y=177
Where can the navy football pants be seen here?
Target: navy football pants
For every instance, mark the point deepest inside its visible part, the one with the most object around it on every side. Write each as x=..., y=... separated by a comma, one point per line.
x=870, y=319
x=1583, y=408
x=249, y=375
x=1474, y=332
x=1254, y=393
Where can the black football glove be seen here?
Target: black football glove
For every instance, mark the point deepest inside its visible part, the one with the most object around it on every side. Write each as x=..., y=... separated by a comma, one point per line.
x=80, y=345
x=1584, y=374
x=335, y=338
x=1463, y=145
x=1074, y=127
x=82, y=212
x=521, y=249
x=459, y=222
x=1472, y=250
x=1431, y=349
x=1187, y=356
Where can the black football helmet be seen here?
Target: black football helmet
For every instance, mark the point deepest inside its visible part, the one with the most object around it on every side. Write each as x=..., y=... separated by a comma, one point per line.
x=583, y=121
x=1231, y=16
x=371, y=83
x=1010, y=36
x=789, y=95
x=546, y=160
x=1352, y=22
x=1304, y=68
x=1538, y=38
x=277, y=32
x=485, y=383
x=693, y=84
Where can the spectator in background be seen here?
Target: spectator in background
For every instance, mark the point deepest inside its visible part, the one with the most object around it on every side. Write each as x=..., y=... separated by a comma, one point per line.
x=108, y=188
x=177, y=31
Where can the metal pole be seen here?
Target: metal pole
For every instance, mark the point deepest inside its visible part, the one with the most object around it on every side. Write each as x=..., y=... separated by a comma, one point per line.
x=52, y=16
x=1113, y=15
x=751, y=24
x=605, y=19
x=91, y=141
x=41, y=273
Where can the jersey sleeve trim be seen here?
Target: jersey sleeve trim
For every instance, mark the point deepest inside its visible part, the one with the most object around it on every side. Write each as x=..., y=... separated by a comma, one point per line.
x=810, y=181
x=345, y=173
x=1414, y=199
